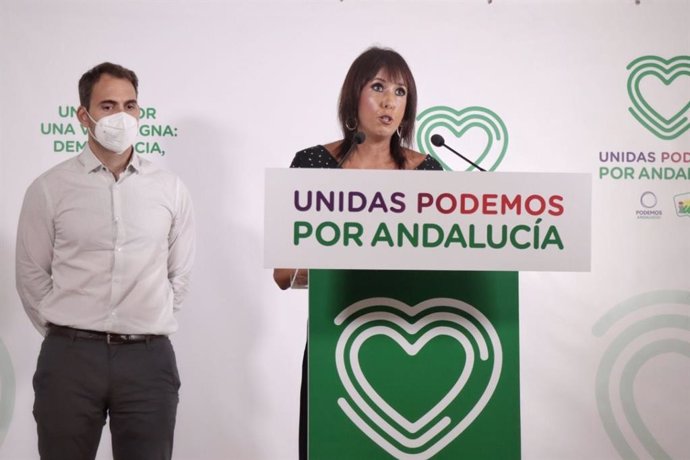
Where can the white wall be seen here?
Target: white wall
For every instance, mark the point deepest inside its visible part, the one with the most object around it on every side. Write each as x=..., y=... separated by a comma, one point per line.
x=247, y=84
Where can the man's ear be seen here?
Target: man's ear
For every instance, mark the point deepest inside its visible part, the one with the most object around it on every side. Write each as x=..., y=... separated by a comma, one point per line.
x=83, y=116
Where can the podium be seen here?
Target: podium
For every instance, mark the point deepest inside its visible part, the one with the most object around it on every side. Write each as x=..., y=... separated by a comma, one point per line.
x=414, y=301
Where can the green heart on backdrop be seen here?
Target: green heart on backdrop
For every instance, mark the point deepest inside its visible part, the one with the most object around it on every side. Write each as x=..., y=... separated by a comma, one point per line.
x=458, y=123
x=7, y=391
x=667, y=71
x=645, y=336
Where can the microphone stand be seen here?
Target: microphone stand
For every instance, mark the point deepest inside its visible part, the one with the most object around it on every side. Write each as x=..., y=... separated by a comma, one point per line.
x=438, y=141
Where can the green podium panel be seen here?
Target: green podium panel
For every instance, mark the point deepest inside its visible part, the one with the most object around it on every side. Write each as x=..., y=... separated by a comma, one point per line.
x=413, y=365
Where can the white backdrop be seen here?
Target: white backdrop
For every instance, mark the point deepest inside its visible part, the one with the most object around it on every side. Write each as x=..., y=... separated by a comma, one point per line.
x=243, y=85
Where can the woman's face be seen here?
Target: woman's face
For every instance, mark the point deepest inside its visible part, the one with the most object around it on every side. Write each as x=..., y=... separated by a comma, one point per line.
x=381, y=106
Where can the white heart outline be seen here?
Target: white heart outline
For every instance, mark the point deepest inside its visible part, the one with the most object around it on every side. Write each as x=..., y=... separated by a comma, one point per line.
x=411, y=349
x=411, y=329
x=412, y=311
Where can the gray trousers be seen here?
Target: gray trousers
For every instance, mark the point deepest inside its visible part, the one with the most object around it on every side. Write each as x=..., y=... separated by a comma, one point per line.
x=80, y=382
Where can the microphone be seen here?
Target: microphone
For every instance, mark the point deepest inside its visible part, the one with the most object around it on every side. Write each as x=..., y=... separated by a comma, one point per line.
x=438, y=141
x=357, y=139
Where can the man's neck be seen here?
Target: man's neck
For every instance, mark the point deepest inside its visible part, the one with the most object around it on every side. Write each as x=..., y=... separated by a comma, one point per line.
x=116, y=163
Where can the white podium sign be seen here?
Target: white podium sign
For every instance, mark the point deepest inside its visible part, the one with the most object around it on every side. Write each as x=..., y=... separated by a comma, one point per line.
x=427, y=220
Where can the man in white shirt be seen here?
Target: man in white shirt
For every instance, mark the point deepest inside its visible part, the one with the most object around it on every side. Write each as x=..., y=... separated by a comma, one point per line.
x=105, y=246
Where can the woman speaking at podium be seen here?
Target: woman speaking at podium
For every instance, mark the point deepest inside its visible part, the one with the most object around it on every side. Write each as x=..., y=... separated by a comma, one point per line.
x=377, y=110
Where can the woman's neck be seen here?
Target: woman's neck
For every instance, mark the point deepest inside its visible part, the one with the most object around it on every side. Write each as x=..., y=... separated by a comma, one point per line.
x=372, y=155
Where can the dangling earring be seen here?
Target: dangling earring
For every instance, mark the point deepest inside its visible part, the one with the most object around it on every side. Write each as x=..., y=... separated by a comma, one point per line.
x=399, y=131
x=349, y=122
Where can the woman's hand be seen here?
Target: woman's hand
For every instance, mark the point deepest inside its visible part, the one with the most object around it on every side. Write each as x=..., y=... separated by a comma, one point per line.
x=291, y=277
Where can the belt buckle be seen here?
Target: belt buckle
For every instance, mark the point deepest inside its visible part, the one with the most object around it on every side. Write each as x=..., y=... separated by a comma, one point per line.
x=114, y=339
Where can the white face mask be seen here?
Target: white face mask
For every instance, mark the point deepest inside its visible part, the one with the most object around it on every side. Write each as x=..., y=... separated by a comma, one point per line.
x=116, y=132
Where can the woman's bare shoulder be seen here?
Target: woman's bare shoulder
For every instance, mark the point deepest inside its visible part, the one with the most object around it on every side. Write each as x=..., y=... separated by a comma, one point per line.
x=332, y=147
x=413, y=158
x=421, y=161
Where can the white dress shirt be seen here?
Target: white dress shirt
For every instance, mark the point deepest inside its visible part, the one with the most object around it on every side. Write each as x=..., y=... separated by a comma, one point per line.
x=99, y=254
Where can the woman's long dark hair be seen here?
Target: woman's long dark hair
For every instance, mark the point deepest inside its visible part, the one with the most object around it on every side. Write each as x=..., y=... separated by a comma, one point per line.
x=363, y=70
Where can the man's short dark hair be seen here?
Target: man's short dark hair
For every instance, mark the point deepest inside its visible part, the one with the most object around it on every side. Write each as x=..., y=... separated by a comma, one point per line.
x=89, y=79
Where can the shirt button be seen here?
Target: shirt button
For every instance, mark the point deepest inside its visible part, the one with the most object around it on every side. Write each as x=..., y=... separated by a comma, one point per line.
x=116, y=219
x=118, y=249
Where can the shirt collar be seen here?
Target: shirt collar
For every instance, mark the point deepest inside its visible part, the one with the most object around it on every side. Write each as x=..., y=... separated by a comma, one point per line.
x=135, y=162
x=91, y=163
x=88, y=160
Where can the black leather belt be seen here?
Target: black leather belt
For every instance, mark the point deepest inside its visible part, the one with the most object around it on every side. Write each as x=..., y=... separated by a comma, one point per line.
x=107, y=337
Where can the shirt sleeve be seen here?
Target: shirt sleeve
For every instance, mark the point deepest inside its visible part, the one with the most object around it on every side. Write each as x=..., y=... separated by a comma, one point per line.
x=181, y=245
x=34, y=252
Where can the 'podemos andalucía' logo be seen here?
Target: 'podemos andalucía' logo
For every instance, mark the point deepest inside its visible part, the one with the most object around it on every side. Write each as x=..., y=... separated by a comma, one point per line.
x=477, y=132
x=664, y=109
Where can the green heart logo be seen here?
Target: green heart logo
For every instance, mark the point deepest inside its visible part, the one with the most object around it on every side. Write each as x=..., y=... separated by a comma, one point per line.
x=637, y=336
x=7, y=391
x=667, y=71
x=453, y=123
x=419, y=433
